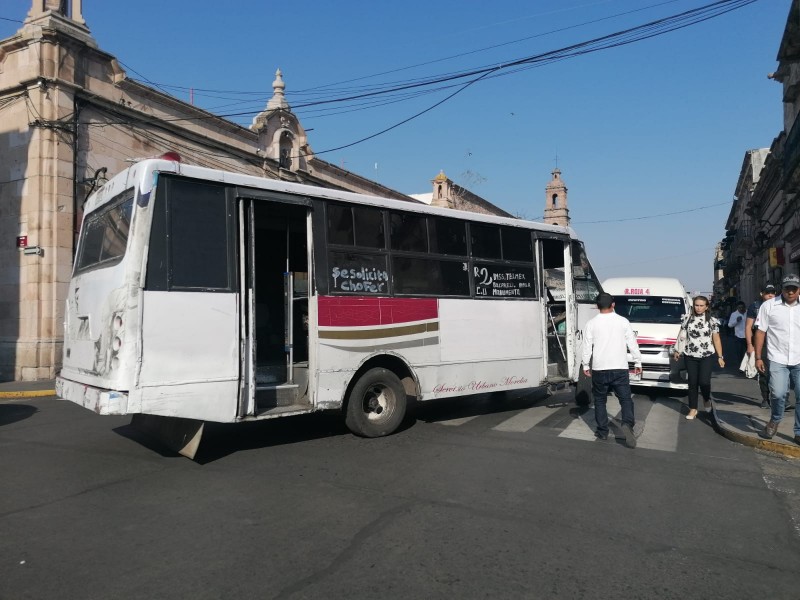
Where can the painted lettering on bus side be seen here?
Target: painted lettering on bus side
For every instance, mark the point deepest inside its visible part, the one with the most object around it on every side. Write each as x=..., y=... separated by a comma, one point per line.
x=479, y=386
x=370, y=280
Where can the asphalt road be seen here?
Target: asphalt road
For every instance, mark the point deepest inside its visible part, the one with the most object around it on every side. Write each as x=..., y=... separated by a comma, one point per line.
x=464, y=502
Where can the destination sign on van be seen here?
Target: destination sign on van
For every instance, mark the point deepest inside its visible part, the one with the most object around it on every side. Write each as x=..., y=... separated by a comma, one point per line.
x=632, y=291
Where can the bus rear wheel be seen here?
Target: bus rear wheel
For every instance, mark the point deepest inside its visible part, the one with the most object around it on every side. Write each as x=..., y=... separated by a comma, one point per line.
x=377, y=404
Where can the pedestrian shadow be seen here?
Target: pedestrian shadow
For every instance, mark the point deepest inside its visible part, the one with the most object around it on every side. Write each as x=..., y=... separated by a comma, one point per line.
x=12, y=413
x=729, y=398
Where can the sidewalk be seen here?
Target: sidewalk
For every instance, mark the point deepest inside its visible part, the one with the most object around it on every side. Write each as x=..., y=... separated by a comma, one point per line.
x=740, y=418
x=27, y=389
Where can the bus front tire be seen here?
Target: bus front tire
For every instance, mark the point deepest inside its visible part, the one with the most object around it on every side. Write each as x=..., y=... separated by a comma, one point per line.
x=376, y=405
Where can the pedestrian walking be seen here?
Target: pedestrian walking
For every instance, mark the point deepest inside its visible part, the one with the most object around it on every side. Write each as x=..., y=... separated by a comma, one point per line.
x=778, y=323
x=737, y=322
x=767, y=293
x=702, y=343
x=607, y=339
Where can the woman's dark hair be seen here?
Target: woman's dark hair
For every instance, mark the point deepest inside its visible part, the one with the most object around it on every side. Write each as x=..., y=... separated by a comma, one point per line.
x=706, y=314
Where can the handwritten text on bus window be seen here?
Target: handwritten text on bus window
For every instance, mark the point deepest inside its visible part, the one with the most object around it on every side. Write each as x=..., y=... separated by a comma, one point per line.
x=501, y=281
x=359, y=280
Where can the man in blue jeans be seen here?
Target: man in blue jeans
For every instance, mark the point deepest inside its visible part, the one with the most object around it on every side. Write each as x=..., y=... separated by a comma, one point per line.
x=778, y=322
x=607, y=339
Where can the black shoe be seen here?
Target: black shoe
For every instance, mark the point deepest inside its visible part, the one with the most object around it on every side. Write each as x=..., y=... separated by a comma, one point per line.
x=789, y=407
x=600, y=436
x=770, y=429
x=630, y=437
x=765, y=404
x=797, y=439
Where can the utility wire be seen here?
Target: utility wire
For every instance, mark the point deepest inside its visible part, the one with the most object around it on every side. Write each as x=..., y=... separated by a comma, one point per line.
x=331, y=86
x=669, y=214
x=648, y=261
x=620, y=38
x=613, y=40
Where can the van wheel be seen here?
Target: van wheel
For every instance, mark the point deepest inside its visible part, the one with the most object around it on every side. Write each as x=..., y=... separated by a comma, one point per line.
x=376, y=405
x=583, y=390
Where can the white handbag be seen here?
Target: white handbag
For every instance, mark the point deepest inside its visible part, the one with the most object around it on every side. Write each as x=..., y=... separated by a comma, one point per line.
x=680, y=342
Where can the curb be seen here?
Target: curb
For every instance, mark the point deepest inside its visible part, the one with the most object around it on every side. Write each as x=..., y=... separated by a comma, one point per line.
x=756, y=442
x=27, y=394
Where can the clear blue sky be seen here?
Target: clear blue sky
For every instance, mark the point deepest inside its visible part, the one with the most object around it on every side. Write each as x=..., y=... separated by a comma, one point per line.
x=654, y=127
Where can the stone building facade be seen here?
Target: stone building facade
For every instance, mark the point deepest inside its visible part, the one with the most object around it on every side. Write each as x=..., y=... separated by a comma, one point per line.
x=71, y=118
x=743, y=255
x=448, y=194
x=762, y=241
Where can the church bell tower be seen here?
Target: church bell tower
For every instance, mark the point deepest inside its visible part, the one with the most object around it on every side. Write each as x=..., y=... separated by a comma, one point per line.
x=555, y=201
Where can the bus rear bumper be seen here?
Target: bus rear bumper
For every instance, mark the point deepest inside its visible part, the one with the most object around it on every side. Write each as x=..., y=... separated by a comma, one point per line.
x=99, y=400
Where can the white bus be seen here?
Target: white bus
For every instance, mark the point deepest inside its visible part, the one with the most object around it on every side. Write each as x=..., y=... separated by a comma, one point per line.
x=655, y=307
x=201, y=295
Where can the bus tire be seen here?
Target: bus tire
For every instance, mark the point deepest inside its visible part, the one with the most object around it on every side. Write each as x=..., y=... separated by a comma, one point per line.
x=583, y=390
x=376, y=405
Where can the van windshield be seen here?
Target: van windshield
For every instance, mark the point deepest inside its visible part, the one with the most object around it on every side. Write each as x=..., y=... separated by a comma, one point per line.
x=650, y=309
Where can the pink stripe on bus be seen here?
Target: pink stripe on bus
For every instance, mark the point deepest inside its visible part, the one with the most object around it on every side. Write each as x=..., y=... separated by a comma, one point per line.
x=360, y=311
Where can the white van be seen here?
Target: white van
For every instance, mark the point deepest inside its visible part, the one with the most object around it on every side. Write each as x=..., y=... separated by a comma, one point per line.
x=654, y=306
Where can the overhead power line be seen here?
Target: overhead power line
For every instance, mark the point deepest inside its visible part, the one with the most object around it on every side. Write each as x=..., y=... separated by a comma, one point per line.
x=669, y=214
x=464, y=79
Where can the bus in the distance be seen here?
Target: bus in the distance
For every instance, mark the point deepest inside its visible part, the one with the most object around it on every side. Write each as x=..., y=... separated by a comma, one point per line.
x=655, y=307
x=200, y=295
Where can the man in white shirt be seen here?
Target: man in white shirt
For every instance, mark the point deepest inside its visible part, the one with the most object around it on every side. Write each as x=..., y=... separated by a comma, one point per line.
x=607, y=339
x=778, y=322
x=737, y=322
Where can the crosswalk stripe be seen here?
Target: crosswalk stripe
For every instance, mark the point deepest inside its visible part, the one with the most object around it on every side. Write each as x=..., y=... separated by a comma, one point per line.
x=527, y=419
x=583, y=428
x=460, y=421
x=657, y=428
x=661, y=428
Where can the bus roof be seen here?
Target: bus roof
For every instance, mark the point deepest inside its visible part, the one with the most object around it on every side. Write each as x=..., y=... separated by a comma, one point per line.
x=141, y=175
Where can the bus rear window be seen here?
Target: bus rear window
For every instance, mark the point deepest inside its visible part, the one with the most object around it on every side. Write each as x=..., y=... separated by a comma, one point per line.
x=105, y=234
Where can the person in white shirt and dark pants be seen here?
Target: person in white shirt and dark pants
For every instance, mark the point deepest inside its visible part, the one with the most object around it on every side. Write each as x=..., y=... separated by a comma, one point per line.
x=737, y=322
x=607, y=339
x=778, y=322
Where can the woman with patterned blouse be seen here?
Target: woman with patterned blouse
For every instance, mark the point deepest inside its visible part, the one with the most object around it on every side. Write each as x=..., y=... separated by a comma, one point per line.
x=702, y=341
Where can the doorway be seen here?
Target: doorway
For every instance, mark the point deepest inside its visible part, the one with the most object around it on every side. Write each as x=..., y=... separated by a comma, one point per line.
x=277, y=289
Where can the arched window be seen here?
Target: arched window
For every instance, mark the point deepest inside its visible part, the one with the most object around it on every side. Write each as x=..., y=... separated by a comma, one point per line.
x=555, y=199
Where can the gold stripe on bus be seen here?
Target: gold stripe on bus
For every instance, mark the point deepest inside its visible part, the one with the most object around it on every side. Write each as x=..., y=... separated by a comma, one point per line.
x=367, y=334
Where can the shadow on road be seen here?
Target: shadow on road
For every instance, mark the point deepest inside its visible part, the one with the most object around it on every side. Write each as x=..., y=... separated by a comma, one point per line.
x=434, y=411
x=11, y=413
x=730, y=398
x=223, y=439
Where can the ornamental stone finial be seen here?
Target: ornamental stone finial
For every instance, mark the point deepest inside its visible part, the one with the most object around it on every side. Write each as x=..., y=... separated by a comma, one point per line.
x=278, y=99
